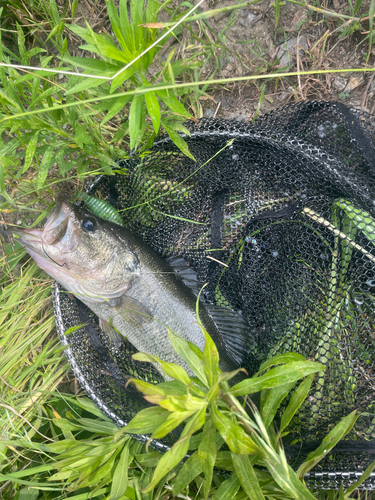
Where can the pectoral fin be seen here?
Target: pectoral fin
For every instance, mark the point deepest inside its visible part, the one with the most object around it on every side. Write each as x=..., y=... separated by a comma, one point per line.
x=133, y=311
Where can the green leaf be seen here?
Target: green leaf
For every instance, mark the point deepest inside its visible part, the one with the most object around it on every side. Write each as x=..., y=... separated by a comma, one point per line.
x=169, y=460
x=95, y=66
x=87, y=83
x=21, y=42
x=232, y=433
x=224, y=376
x=28, y=494
x=271, y=399
x=298, y=397
x=228, y=489
x=358, y=483
x=247, y=477
x=106, y=48
x=135, y=115
x=146, y=388
x=120, y=476
x=116, y=24
x=81, y=136
x=149, y=459
x=207, y=453
x=171, y=369
x=173, y=103
x=30, y=151
x=153, y=109
x=288, y=357
x=47, y=160
x=148, y=420
x=2, y=184
x=329, y=442
x=281, y=375
x=9, y=147
x=120, y=79
x=183, y=350
x=195, y=423
x=224, y=460
x=100, y=427
x=174, y=419
x=178, y=140
x=210, y=359
x=189, y=471
x=117, y=106
x=362, y=219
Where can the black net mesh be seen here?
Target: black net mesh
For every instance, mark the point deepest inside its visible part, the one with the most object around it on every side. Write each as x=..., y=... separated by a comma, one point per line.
x=287, y=204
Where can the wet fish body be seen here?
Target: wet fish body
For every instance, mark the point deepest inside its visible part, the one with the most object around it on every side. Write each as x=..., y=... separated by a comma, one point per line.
x=124, y=282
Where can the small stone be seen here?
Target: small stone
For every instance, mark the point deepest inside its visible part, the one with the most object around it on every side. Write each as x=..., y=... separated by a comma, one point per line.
x=209, y=113
x=287, y=50
x=239, y=116
x=242, y=22
x=251, y=18
x=354, y=82
x=339, y=83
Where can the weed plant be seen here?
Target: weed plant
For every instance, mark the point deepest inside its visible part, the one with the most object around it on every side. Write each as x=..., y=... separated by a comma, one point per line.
x=56, y=445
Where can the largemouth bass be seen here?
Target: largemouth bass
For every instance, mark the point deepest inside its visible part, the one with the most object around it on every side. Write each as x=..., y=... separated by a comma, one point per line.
x=128, y=285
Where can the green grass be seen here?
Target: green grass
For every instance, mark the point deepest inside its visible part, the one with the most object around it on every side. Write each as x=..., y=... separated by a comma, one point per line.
x=55, y=132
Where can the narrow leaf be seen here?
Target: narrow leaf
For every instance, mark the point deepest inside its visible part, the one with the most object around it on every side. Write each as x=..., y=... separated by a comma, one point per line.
x=183, y=350
x=207, y=454
x=358, y=483
x=228, y=489
x=271, y=399
x=189, y=471
x=135, y=114
x=178, y=140
x=47, y=161
x=298, y=397
x=281, y=375
x=210, y=359
x=30, y=151
x=174, y=419
x=168, y=461
x=120, y=476
x=233, y=434
x=247, y=476
x=171, y=369
x=330, y=441
x=147, y=420
x=173, y=103
x=153, y=109
x=288, y=357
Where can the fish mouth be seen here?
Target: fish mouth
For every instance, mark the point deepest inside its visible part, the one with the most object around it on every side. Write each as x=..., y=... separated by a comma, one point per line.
x=30, y=239
x=58, y=236
x=53, y=231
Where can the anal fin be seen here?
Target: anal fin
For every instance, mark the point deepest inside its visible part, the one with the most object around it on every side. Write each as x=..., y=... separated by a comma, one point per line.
x=114, y=337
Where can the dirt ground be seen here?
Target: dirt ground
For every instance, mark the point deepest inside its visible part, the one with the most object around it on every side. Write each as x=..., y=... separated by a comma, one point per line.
x=313, y=42
x=255, y=46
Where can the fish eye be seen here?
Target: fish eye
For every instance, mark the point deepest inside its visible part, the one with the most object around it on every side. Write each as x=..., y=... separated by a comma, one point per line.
x=88, y=225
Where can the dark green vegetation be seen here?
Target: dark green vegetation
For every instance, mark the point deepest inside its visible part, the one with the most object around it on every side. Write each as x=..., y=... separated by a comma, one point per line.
x=57, y=129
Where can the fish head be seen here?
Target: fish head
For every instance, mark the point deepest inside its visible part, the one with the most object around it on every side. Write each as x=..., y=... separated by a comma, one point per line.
x=87, y=255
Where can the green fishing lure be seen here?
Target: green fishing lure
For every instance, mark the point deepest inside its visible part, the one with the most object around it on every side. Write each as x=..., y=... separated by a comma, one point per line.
x=101, y=208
